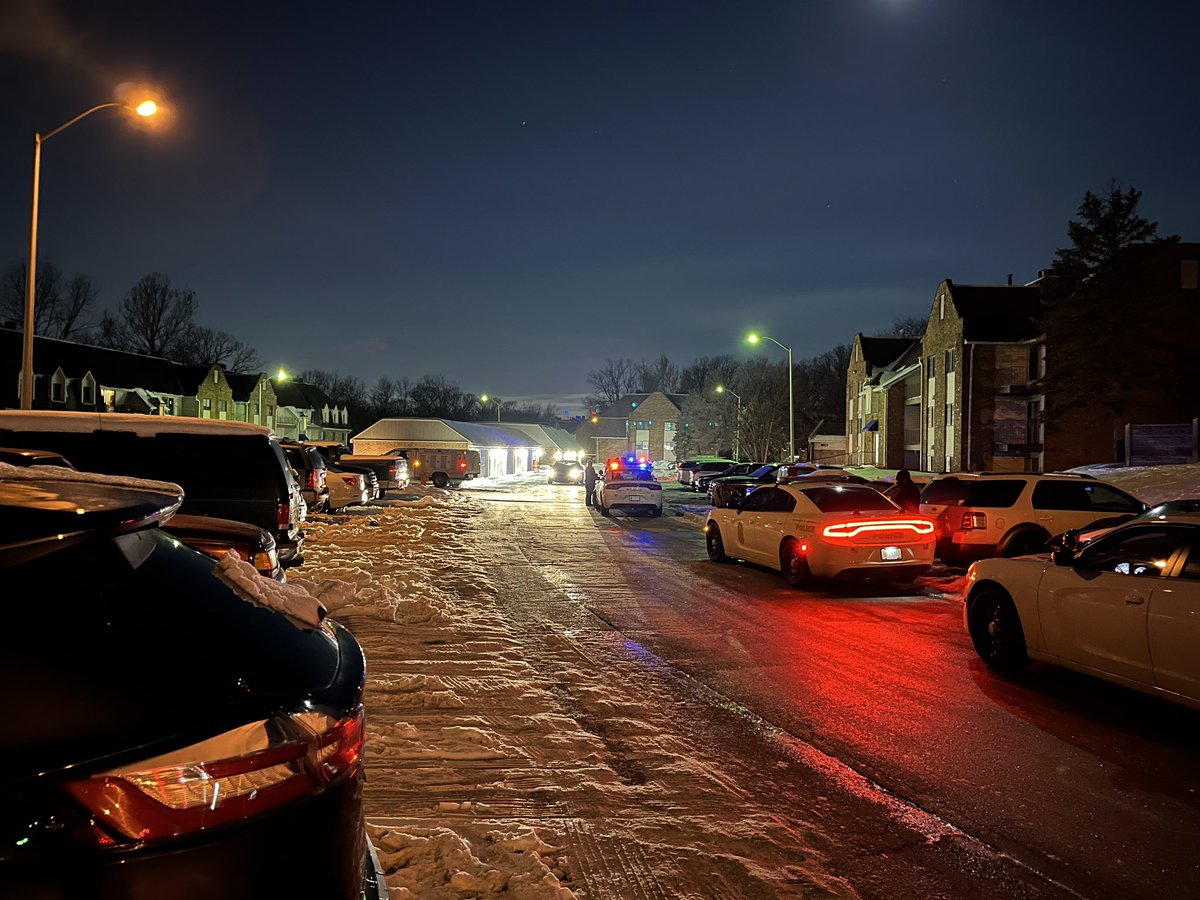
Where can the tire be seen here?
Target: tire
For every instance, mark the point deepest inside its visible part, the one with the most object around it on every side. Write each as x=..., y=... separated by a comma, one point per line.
x=604, y=511
x=716, y=547
x=440, y=480
x=996, y=629
x=794, y=565
x=1024, y=544
x=656, y=512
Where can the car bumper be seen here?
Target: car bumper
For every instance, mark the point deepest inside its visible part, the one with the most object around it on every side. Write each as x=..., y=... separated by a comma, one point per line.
x=317, y=848
x=959, y=553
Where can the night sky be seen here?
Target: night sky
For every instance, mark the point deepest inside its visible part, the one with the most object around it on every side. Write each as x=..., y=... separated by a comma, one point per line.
x=507, y=193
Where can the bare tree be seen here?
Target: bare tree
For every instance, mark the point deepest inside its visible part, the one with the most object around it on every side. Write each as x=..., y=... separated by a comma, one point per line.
x=909, y=327
x=611, y=382
x=59, y=303
x=660, y=375
x=383, y=398
x=209, y=346
x=154, y=318
x=706, y=372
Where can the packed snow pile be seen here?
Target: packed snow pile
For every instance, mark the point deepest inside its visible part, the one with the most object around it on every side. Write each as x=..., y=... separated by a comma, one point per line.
x=1150, y=484
x=293, y=600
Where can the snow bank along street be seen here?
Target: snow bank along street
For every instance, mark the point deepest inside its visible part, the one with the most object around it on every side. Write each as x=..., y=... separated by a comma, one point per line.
x=518, y=743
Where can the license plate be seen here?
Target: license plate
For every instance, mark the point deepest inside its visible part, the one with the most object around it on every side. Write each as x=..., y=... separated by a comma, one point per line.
x=634, y=497
x=891, y=554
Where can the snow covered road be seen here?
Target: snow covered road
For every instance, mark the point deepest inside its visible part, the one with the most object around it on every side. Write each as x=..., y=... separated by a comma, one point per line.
x=518, y=742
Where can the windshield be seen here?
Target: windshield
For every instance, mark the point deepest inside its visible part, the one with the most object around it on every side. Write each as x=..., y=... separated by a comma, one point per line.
x=630, y=475
x=763, y=470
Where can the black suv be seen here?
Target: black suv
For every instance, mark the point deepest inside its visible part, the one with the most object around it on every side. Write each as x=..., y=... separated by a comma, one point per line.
x=169, y=737
x=232, y=470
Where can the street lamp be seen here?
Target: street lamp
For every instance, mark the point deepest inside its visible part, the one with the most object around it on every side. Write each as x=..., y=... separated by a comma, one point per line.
x=737, y=425
x=145, y=109
x=753, y=338
x=483, y=398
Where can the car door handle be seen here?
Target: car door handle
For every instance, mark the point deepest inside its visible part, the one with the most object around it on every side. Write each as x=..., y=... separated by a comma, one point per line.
x=1134, y=600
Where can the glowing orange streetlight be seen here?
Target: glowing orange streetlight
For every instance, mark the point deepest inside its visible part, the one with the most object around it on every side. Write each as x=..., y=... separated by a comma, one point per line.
x=145, y=109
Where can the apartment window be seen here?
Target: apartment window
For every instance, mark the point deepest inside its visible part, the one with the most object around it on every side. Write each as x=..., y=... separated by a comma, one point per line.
x=930, y=366
x=223, y=406
x=942, y=307
x=208, y=404
x=929, y=417
x=949, y=360
x=87, y=393
x=670, y=426
x=58, y=391
x=949, y=415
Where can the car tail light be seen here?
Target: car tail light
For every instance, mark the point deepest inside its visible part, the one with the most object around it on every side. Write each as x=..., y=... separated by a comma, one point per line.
x=226, y=779
x=867, y=529
x=283, y=515
x=973, y=521
x=462, y=465
x=266, y=562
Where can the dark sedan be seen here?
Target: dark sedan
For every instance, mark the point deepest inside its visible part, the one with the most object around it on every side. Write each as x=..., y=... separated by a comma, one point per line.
x=565, y=472
x=168, y=737
x=729, y=491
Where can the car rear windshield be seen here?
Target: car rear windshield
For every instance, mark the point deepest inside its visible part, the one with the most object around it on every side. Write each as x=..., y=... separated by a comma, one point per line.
x=994, y=493
x=631, y=475
x=848, y=499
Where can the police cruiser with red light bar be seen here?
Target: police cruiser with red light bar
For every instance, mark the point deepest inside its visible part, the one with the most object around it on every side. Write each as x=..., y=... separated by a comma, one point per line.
x=823, y=530
x=629, y=485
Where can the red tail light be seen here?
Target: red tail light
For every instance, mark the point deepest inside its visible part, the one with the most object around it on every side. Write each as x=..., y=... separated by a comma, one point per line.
x=462, y=465
x=283, y=515
x=879, y=529
x=226, y=779
x=973, y=521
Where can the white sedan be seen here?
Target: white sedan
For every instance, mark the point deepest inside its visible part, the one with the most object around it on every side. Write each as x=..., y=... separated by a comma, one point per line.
x=824, y=529
x=632, y=489
x=1125, y=607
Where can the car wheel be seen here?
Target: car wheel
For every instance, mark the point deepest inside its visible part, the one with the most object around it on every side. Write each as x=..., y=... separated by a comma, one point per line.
x=716, y=547
x=604, y=511
x=996, y=629
x=1025, y=543
x=656, y=512
x=794, y=565
x=440, y=480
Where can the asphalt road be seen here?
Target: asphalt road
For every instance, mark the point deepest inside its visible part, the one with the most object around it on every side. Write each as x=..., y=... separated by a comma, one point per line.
x=1088, y=785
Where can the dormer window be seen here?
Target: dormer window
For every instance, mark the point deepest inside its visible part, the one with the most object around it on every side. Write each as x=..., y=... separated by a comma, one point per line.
x=58, y=387
x=87, y=390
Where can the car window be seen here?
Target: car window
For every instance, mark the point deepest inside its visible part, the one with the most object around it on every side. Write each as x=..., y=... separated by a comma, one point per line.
x=631, y=475
x=981, y=492
x=1132, y=551
x=848, y=498
x=779, y=502
x=1191, y=567
x=758, y=501
x=763, y=470
x=1083, y=496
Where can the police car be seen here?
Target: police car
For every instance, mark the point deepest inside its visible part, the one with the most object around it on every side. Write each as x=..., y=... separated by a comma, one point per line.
x=629, y=485
x=823, y=530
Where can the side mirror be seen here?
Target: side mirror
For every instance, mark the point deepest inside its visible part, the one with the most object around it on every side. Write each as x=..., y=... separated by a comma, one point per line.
x=1064, y=546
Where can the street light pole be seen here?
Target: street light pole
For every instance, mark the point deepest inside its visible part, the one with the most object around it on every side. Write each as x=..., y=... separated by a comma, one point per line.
x=754, y=339
x=483, y=398
x=737, y=426
x=146, y=108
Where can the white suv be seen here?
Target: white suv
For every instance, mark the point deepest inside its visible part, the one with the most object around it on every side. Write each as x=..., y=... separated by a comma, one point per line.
x=982, y=514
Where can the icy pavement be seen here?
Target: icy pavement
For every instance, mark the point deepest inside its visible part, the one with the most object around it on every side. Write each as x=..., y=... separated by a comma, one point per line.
x=490, y=771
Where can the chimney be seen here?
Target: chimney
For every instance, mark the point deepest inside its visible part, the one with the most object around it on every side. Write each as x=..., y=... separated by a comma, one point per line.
x=1010, y=279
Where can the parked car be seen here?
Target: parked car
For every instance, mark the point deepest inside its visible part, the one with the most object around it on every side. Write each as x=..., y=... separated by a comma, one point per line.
x=231, y=470
x=1122, y=608
x=823, y=530
x=728, y=490
x=688, y=466
x=211, y=536
x=982, y=514
x=308, y=465
x=333, y=451
x=701, y=478
x=175, y=739
x=565, y=472
x=708, y=467
x=347, y=487
x=629, y=486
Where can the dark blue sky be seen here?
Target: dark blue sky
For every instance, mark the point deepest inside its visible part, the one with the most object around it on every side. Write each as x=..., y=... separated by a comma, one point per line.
x=507, y=193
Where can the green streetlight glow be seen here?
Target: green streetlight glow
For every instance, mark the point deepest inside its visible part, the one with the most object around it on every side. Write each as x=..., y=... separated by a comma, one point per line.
x=281, y=375
x=752, y=338
x=720, y=389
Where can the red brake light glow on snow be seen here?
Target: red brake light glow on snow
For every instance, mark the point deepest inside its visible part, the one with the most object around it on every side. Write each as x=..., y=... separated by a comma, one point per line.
x=853, y=529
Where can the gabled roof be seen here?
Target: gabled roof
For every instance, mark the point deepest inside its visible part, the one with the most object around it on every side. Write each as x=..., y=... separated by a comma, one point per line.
x=243, y=384
x=881, y=354
x=300, y=395
x=830, y=427
x=999, y=313
x=624, y=407
x=548, y=437
x=413, y=431
x=611, y=427
x=482, y=434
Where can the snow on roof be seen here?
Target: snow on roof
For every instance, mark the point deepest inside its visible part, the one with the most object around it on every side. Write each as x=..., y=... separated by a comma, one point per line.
x=41, y=420
x=412, y=431
x=548, y=437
